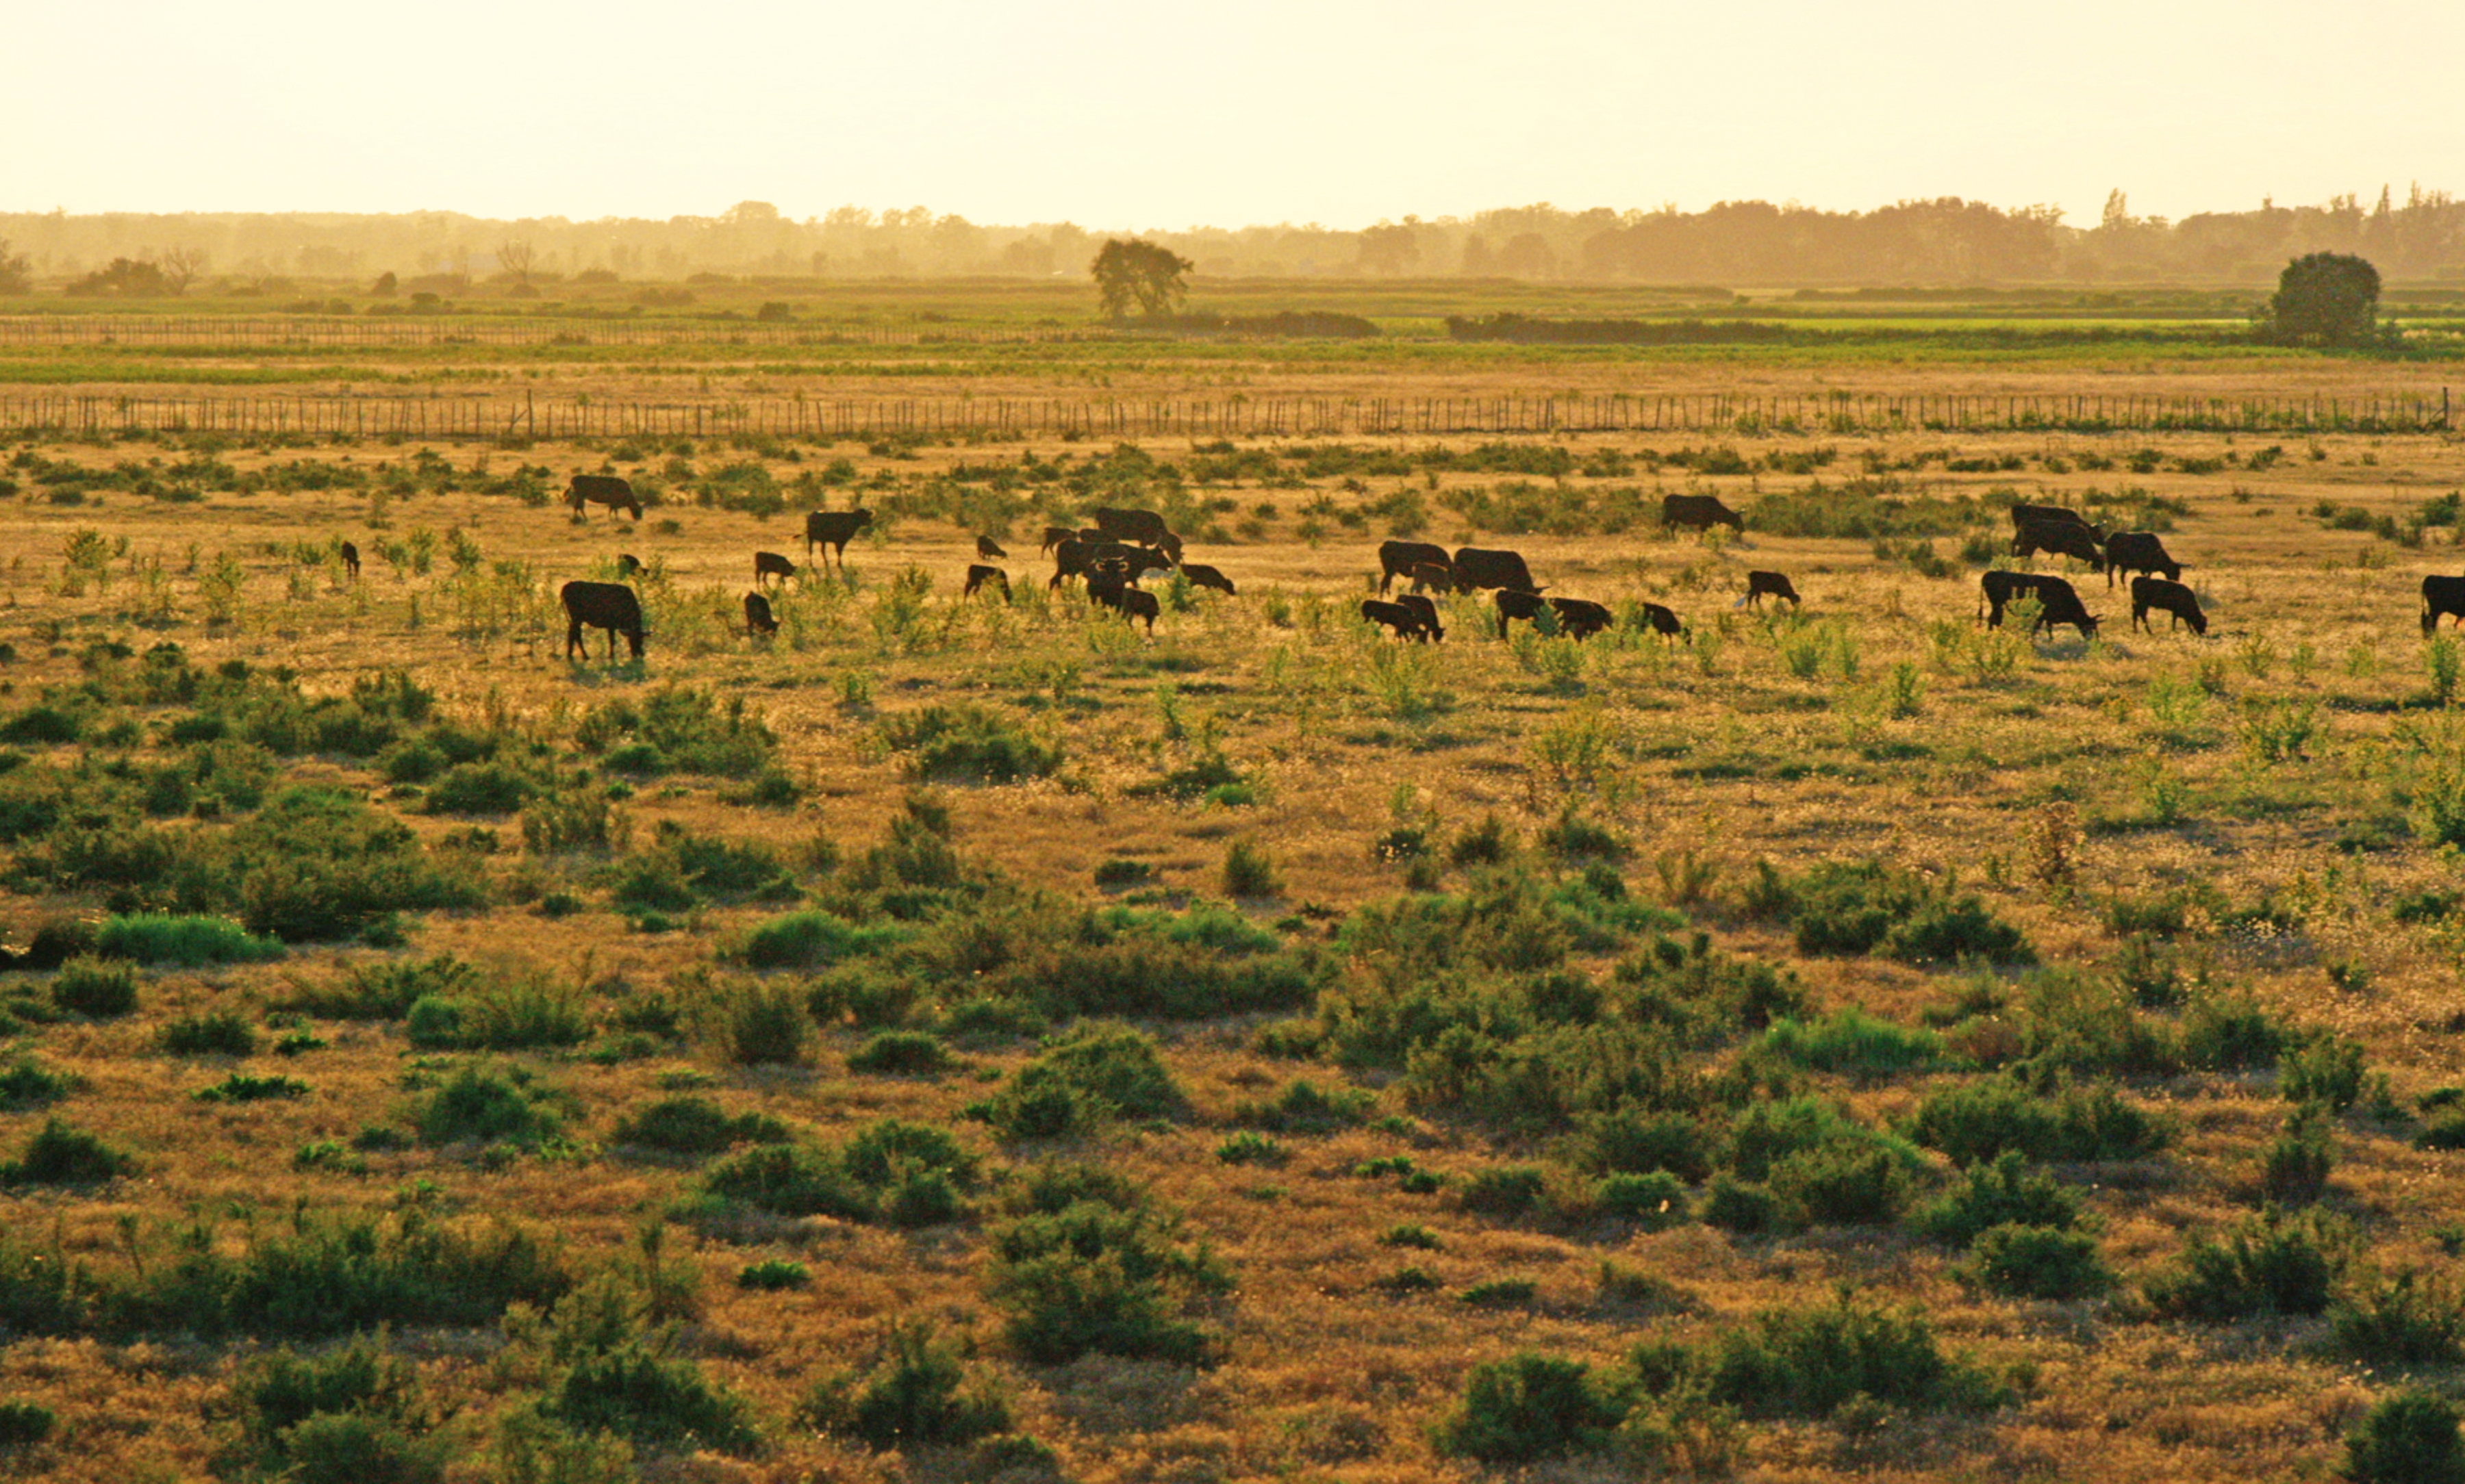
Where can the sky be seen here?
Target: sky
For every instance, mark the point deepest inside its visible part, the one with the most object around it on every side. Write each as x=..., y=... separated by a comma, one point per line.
x=1145, y=116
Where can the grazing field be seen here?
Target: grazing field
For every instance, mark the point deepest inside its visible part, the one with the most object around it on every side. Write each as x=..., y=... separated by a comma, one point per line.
x=950, y=1038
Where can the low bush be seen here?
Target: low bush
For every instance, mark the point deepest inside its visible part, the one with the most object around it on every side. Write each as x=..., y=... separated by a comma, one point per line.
x=901, y=1054
x=1634, y=1142
x=1808, y=1361
x=211, y=1033
x=1303, y=1107
x=59, y=1155
x=2005, y=1191
x=1086, y=1263
x=774, y=1274
x=242, y=1087
x=26, y=1083
x=1091, y=1075
x=2326, y=1069
x=1528, y=1406
x=640, y=1393
x=2268, y=1265
x=384, y=990
x=919, y=1392
x=97, y=987
x=352, y=1416
x=967, y=744
x=486, y=1106
x=1839, y=1183
x=695, y=1126
x=189, y=942
x=1505, y=1190
x=504, y=1013
x=761, y=1025
x=2037, y=1262
x=1652, y=1201
x=489, y=788
x=2409, y=1320
x=23, y=1424
x=900, y=1173
x=2410, y=1437
x=1849, y=1043
x=2294, y=1168
x=1988, y=1118
x=811, y=940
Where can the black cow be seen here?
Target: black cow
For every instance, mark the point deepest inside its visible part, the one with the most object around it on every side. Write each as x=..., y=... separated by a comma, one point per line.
x=350, y=555
x=1428, y=611
x=1433, y=577
x=609, y=605
x=2069, y=538
x=2057, y=601
x=628, y=563
x=2169, y=596
x=834, y=528
x=2441, y=596
x=1108, y=588
x=989, y=549
x=1513, y=604
x=979, y=575
x=1403, y=621
x=1476, y=568
x=1770, y=584
x=1144, y=527
x=1071, y=557
x=1580, y=618
x=770, y=564
x=1699, y=512
x=1201, y=575
x=1399, y=557
x=603, y=489
x=2051, y=514
x=757, y=622
x=1055, y=535
x=2139, y=551
x=1664, y=621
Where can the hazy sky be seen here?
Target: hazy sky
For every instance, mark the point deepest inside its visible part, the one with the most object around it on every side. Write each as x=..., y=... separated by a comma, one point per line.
x=1147, y=115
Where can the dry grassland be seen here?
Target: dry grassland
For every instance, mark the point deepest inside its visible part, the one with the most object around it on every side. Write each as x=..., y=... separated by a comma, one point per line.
x=2054, y=778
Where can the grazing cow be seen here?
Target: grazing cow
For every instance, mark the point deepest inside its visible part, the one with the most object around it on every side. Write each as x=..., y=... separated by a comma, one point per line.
x=1433, y=577
x=1400, y=558
x=1515, y=604
x=609, y=605
x=1664, y=621
x=989, y=549
x=834, y=528
x=979, y=575
x=1108, y=588
x=770, y=564
x=1404, y=623
x=757, y=622
x=1071, y=557
x=2066, y=537
x=1580, y=618
x=1201, y=575
x=628, y=563
x=2441, y=596
x=1699, y=512
x=2023, y=515
x=1143, y=526
x=350, y=555
x=1055, y=535
x=1770, y=584
x=1476, y=568
x=1428, y=611
x=1143, y=564
x=2139, y=551
x=2057, y=601
x=603, y=489
x=2171, y=596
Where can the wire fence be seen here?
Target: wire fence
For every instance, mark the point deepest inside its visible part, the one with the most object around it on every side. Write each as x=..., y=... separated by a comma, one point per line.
x=418, y=330
x=535, y=419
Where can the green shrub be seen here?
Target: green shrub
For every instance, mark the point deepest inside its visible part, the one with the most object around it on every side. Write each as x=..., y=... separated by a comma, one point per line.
x=1087, y=1264
x=2037, y=1262
x=2328, y=1070
x=1840, y=908
x=26, y=1083
x=2267, y=1265
x=1250, y=1147
x=1635, y=1142
x=2408, y=1438
x=637, y=1393
x=2409, y=1320
x=1652, y=1201
x=2294, y=1169
x=967, y=744
x=2005, y=1191
x=59, y=1155
x=1988, y=1118
x=479, y=789
x=1738, y=1206
x=891, y=1170
x=211, y=1033
x=918, y=1393
x=2221, y=1034
x=23, y=1424
x=1807, y=1361
x=482, y=1105
x=695, y=1126
x=1501, y=1294
x=1506, y=1190
x=151, y=938
x=1094, y=1073
x=763, y=1025
x=1839, y=1183
x=901, y=1054
x=1528, y=1406
x=1248, y=871
x=683, y=730
x=1410, y=1234
x=1850, y=1043
x=241, y=1087
x=384, y=990
x=353, y=1416
x=811, y=940
x=96, y=987
x=790, y=1179
x=773, y=1275
x=357, y=1447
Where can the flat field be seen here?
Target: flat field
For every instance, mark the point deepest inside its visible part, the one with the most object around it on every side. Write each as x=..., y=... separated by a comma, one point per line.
x=955, y=1039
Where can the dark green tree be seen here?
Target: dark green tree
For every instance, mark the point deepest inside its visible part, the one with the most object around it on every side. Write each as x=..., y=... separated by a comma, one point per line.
x=2325, y=298
x=1138, y=272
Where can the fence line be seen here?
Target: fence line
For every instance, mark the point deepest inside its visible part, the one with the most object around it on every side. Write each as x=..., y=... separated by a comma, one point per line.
x=530, y=418
x=422, y=329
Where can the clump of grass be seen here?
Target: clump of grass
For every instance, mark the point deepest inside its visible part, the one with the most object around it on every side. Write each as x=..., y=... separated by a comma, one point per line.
x=1094, y=1074
x=919, y=1392
x=774, y=1274
x=26, y=1083
x=61, y=1155
x=901, y=1054
x=24, y=1423
x=1085, y=1262
x=2037, y=1262
x=967, y=742
x=686, y=1124
x=2266, y=1265
x=900, y=1173
x=97, y=987
x=761, y=1025
x=209, y=1034
x=242, y=1087
x=384, y=990
x=486, y=1106
x=1248, y=871
x=189, y=942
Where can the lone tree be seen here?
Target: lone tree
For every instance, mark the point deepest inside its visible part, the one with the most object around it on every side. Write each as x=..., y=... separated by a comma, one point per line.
x=1139, y=272
x=2325, y=298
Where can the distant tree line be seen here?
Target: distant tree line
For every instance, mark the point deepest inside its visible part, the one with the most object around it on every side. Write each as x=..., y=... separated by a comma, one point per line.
x=1733, y=244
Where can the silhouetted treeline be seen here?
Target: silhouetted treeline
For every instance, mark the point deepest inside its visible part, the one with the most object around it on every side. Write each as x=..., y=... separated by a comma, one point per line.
x=1734, y=243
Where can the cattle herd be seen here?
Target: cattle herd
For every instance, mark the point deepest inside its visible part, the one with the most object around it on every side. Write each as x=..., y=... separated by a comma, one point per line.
x=1125, y=548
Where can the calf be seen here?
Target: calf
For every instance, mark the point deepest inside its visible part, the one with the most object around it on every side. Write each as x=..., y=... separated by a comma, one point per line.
x=2441, y=596
x=350, y=555
x=1401, y=557
x=757, y=622
x=1433, y=577
x=628, y=563
x=2057, y=601
x=1580, y=618
x=834, y=530
x=2168, y=596
x=1513, y=604
x=1476, y=568
x=1107, y=588
x=603, y=489
x=1404, y=623
x=1770, y=584
x=979, y=575
x=1699, y=512
x=2139, y=551
x=1427, y=611
x=1663, y=621
x=770, y=564
x=989, y=549
x=1201, y=575
x=609, y=605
